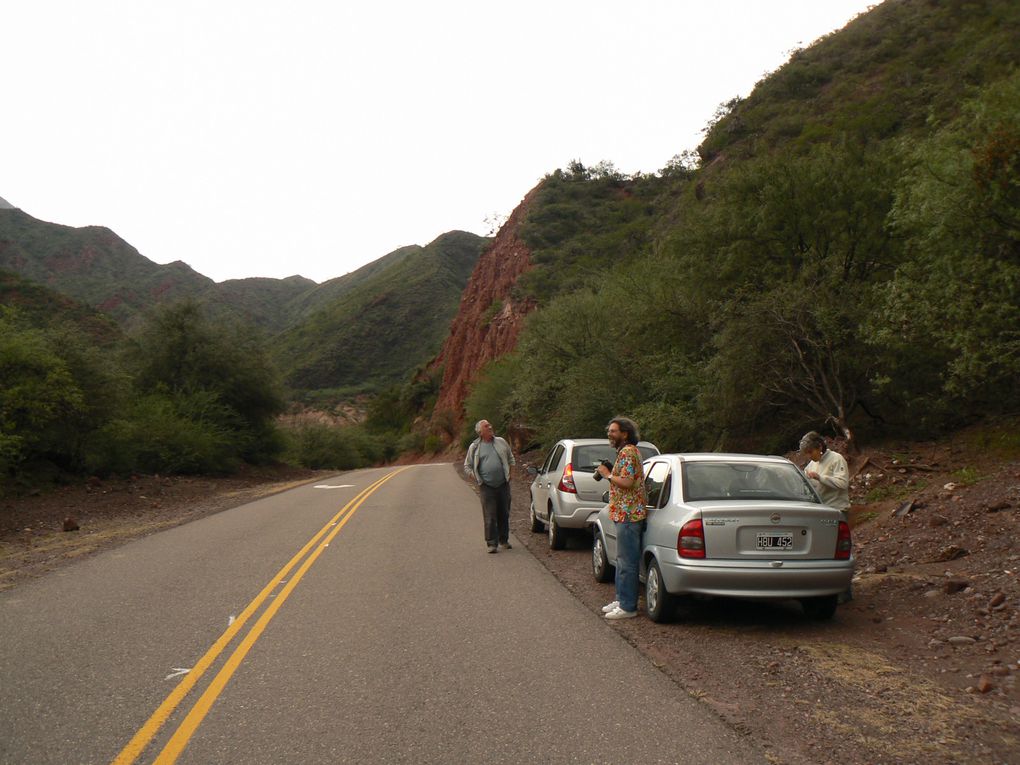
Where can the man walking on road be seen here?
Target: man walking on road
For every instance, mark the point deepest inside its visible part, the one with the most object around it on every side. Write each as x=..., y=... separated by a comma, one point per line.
x=627, y=511
x=488, y=461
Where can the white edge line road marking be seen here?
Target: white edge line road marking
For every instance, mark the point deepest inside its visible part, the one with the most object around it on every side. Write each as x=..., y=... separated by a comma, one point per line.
x=341, y=486
x=177, y=672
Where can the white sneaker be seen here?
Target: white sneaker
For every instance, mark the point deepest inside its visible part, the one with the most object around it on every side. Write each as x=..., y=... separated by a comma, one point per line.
x=619, y=613
x=610, y=606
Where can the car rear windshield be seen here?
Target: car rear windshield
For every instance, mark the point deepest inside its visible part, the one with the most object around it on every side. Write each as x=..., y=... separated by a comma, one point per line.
x=745, y=481
x=587, y=458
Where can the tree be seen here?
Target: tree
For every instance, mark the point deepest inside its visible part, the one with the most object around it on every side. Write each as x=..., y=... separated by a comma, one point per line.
x=948, y=319
x=37, y=394
x=219, y=375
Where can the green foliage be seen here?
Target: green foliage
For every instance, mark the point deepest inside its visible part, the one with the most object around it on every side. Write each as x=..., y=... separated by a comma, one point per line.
x=948, y=320
x=94, y=266
x=43, y=308
x=158, y=434
x=583, y=222
x=999, y=437
x=212, y=374
x=492, y=311
x=491, y=398
x=894, y=491
x=187, y=397
x=38, y=395
x=966, y=476
x=329, y=447
x=371, y=335
x=879, y=77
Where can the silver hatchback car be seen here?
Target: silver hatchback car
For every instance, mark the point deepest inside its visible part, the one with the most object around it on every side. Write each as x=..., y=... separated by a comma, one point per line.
x=734, y=525
x=564, y=494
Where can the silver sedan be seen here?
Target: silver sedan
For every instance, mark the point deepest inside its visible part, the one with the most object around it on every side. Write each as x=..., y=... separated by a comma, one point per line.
x=733, y=525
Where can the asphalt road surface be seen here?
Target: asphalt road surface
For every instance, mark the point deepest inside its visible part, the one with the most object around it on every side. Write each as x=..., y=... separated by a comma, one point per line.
x=355, y=620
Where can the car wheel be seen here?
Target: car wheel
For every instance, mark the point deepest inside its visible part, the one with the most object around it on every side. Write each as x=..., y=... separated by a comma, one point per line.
x=557, y=538
x=658, y=602
x=536, y=525
x=599, y=562
x=820, y=608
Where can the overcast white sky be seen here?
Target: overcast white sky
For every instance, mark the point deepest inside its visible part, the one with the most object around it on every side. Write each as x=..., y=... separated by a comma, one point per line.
x=269, y=139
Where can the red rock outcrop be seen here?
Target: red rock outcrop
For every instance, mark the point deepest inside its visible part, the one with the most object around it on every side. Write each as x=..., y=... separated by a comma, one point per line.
x=476, y=337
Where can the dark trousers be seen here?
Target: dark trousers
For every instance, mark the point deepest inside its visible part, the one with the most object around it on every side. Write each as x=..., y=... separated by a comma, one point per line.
x=496, y=513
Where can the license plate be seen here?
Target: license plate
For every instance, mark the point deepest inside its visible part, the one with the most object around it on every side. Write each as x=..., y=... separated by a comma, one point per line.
x=775, y=542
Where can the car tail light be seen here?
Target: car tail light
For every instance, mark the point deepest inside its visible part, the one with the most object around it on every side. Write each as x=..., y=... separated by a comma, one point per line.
x=567, y=481
x=843, y=542
x=690, y=542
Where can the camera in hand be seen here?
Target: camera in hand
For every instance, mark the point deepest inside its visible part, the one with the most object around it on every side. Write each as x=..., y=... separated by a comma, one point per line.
x=598, y=475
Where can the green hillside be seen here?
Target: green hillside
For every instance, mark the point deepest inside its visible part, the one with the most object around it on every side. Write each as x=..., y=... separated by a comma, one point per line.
x=888, y=73
x=400, y=302
x=377, y=329
x=262, y=302
x=93, y=265
x=42, y=307
x=842, y=253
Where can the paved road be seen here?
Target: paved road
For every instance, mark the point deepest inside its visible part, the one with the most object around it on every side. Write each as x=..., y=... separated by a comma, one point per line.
x=332, y=625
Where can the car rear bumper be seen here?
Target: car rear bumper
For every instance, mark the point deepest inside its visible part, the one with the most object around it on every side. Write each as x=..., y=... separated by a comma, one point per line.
x=757, y=579
x=575, y=515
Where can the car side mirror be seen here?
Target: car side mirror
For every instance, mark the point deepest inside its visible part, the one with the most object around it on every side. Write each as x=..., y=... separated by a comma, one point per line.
x=532, y=470
x=605, y=496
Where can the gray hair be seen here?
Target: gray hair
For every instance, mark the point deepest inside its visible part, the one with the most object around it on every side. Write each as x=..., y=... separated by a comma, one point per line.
x=629, y=427
x=478, y=426
x=813, y=440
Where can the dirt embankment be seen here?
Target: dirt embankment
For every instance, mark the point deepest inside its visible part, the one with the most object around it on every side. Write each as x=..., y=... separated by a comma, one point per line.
x=489, y=319
x=43, y=531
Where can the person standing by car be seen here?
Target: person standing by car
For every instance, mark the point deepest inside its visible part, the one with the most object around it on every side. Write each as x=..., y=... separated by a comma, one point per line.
x=627, y=511
x=827, y=471
x=829, y=475
x=488, y=461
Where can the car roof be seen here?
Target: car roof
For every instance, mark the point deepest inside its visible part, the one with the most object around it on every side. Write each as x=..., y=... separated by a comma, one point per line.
x=599, y=442
x=721, y=457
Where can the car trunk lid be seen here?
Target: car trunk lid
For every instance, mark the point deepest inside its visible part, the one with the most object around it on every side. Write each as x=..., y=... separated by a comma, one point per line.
x=782, y=530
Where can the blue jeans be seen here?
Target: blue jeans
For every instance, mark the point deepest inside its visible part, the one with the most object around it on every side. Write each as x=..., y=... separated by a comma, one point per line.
x=628, y=559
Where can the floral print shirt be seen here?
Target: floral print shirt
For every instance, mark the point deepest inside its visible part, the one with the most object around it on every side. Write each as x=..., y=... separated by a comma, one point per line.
x=628, y=505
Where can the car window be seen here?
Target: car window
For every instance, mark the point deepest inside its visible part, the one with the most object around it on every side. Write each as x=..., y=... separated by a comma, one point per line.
x=667, y=488
x=556, y=456
x=545, y=464
x=745, y=481
x=656, y=478
x=550, y=459
x=586, y=458
x=647, y=451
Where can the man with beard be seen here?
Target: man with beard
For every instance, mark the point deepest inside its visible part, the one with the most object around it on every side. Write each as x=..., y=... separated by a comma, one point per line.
x=488, y=461
x=627, y=511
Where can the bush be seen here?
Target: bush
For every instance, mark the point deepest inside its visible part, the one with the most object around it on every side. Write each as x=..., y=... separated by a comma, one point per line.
x=321, y=446
x=158, y=435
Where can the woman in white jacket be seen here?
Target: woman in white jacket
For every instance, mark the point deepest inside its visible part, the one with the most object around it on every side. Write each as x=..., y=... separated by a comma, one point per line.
x=827, y=471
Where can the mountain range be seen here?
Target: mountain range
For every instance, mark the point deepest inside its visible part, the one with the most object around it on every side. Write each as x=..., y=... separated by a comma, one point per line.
x=356, y=332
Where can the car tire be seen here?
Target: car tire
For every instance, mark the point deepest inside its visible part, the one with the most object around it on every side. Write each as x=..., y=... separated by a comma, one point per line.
x=557, y=537
x=658, y=603
x=537, y=526
x=820, y=608
x=600, y=566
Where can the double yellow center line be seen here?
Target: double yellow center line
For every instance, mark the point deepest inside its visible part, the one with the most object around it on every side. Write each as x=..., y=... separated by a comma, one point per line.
x=194, y=718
